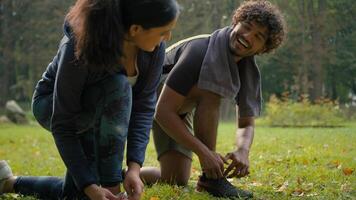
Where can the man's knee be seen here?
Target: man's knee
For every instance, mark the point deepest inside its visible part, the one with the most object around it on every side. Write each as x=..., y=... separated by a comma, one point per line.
x=174, y=178
x=175, y=168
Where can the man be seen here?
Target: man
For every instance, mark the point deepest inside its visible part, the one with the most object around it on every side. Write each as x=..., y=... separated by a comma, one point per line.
x=203, y=70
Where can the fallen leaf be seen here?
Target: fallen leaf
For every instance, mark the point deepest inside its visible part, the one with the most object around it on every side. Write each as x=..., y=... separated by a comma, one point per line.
x=283, y=187
x=256, y=184
x=334, y=164
x=348, y=171
x=195, y=171
x=299, y=192
x=154, y=198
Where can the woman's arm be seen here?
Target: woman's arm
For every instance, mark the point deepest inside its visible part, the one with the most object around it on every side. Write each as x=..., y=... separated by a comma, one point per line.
x=69, y=84
x=143, y=108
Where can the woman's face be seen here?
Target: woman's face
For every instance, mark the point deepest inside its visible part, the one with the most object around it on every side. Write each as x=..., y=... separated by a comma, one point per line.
x=148, y=39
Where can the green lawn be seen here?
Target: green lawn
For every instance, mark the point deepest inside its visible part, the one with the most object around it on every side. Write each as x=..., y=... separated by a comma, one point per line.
x=286, y=163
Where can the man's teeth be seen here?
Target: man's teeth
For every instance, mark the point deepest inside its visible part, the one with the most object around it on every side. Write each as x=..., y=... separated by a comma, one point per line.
x=244, y=43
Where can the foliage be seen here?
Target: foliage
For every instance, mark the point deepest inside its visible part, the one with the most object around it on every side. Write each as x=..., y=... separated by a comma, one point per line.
x=349, y=112
x=317, y=59
x=287, y=112
x=286, y=163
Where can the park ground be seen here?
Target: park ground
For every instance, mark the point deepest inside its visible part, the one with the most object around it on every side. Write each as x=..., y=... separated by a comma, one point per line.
x=286, y=163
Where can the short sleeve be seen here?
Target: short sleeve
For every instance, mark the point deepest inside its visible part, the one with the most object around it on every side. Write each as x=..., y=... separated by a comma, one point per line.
x=185, y=62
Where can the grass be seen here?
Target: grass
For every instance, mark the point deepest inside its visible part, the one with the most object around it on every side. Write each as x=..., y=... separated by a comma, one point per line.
x=286, y=163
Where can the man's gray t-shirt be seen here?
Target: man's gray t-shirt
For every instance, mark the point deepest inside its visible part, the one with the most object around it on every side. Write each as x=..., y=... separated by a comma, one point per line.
x=184, y=60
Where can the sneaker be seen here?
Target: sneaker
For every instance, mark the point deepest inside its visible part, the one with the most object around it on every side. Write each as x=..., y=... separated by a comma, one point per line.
x=5, y=173
x=221, y=188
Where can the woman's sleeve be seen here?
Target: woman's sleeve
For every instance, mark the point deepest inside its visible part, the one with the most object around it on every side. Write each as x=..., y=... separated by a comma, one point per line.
x=143, y=108
x=69, y=83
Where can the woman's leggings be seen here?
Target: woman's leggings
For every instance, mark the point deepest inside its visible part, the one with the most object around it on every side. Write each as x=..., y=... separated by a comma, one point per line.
x=102, y=129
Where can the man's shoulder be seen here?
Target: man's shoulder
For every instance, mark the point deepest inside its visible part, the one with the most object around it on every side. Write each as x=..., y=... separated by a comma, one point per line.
x=197, y=41
x=193, y=49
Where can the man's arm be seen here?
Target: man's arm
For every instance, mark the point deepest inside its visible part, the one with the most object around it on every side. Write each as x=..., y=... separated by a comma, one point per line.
x=244, y=138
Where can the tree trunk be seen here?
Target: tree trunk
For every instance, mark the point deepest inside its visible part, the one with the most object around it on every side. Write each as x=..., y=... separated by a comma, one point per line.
x=303, y=80
x=6, y=49
x=316, y=14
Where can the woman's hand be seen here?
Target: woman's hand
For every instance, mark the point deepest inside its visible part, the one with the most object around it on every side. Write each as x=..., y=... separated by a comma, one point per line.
x=132, y=183
x=94, y=192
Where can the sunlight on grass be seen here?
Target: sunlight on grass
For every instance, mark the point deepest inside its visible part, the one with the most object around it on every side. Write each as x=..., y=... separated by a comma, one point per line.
x=286, y=163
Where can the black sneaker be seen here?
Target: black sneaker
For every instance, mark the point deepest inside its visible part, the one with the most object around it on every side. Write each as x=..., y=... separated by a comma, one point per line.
x=221, y=188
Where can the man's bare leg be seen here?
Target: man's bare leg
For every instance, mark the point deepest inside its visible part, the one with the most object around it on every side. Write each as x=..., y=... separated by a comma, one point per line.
x=150, y=175
x=175, y=169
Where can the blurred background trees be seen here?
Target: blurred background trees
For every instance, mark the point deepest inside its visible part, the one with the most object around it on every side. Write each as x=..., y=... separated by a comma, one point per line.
x=317, y=60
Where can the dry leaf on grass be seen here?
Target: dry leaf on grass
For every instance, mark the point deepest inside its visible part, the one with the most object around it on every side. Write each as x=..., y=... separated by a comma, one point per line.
x=299, y=192
x=334, y=164
x=283, y=187
x=256, y=184
x=348, y=171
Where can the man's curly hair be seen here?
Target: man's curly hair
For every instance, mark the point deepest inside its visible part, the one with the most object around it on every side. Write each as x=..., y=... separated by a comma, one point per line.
x=265, y=14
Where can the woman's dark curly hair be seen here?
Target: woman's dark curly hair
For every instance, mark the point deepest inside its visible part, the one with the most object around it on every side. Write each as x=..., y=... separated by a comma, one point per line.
x=265, y=14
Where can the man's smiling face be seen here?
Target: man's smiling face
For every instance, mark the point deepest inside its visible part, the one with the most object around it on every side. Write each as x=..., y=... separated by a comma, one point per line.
x=248, y=38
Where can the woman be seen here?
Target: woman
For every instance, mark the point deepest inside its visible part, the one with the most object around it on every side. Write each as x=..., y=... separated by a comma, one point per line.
x=99, y=90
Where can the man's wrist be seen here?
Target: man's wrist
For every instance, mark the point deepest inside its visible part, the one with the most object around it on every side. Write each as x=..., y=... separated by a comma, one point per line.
x=200, y=152
x=243, y=150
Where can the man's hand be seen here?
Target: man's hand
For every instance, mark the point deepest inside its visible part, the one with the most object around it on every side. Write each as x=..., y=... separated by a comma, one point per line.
x=240, y=164
x=94, y=192
x=132, y=183
x=212, y=164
